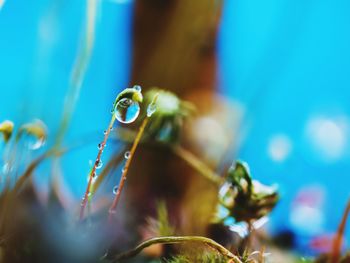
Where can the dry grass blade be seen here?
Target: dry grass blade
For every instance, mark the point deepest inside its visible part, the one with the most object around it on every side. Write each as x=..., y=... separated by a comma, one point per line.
x=338, y=240
x=31, y=167
x=198, y=165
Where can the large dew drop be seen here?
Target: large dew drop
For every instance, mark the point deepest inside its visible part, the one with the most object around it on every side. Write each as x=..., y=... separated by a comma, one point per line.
x=127, y=110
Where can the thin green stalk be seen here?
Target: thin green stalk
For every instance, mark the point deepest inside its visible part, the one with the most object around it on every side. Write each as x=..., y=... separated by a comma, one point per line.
x=174, y=240
x=93, y=169
x=79, y=69
x=198, y=165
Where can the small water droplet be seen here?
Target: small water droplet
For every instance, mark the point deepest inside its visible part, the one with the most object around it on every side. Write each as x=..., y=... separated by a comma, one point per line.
x=99, y=146
x=127, y=110
x=123, y=170
x=105, y=132
x=32, y=142
x=127, y=155
x=94, y=179
x=98, y=164
x=137, y=88
x=6, y=168
x=115, y=190
x=151, y=109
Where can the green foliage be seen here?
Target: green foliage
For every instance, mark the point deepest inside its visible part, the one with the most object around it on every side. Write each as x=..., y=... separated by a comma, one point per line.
x=160, y=226
x=206, y=257
x=245, y=199
x=168, y=119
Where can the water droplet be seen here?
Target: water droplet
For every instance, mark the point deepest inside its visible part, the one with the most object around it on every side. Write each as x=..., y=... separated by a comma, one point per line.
x=137, y=88
x=151, y=109
x=99, y=146
x=98, y=164
x=115, y=190
x=127, y=155
x=104, y=132
x=33, y=134
x=35, y=143
x=6, y=168
x=94, y=179
x=127, y=110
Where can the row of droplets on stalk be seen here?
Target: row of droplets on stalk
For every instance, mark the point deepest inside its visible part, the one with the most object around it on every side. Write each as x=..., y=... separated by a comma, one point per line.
x=125, y=111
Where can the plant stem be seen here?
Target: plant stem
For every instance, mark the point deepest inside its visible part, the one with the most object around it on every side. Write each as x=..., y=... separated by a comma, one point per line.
x=177, y=239
x=93, y=170
x=126, y=169
x=79, y=69
x=198, y=165
x=338, y=240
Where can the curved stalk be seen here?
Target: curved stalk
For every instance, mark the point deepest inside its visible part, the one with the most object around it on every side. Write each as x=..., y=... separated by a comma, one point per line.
x=178, y=239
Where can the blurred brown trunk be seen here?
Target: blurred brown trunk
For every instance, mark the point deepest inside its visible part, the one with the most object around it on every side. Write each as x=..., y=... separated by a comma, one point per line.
x=174, y=44
x=174, y=49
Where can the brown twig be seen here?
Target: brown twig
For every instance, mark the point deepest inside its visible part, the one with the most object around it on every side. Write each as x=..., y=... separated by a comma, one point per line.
x=126, y=168
x=198, y=165
x=177, y=239
x=93, y=170
x=338, y=239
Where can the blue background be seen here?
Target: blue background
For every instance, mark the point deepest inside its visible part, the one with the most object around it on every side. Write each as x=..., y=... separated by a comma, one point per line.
x=286, y=62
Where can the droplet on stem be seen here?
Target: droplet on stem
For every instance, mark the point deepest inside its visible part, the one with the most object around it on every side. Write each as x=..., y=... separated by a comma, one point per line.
x=127, y=110
x=151, y=109
x=127, y=155
x=98, y=164
x=137, y=88
x=115, y=190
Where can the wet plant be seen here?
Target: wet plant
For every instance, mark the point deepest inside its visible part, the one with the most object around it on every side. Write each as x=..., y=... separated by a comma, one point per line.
x=125, y=109
x=155, y=119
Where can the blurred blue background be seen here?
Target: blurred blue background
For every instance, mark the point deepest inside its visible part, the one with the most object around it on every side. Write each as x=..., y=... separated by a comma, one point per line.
x=286, y=62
